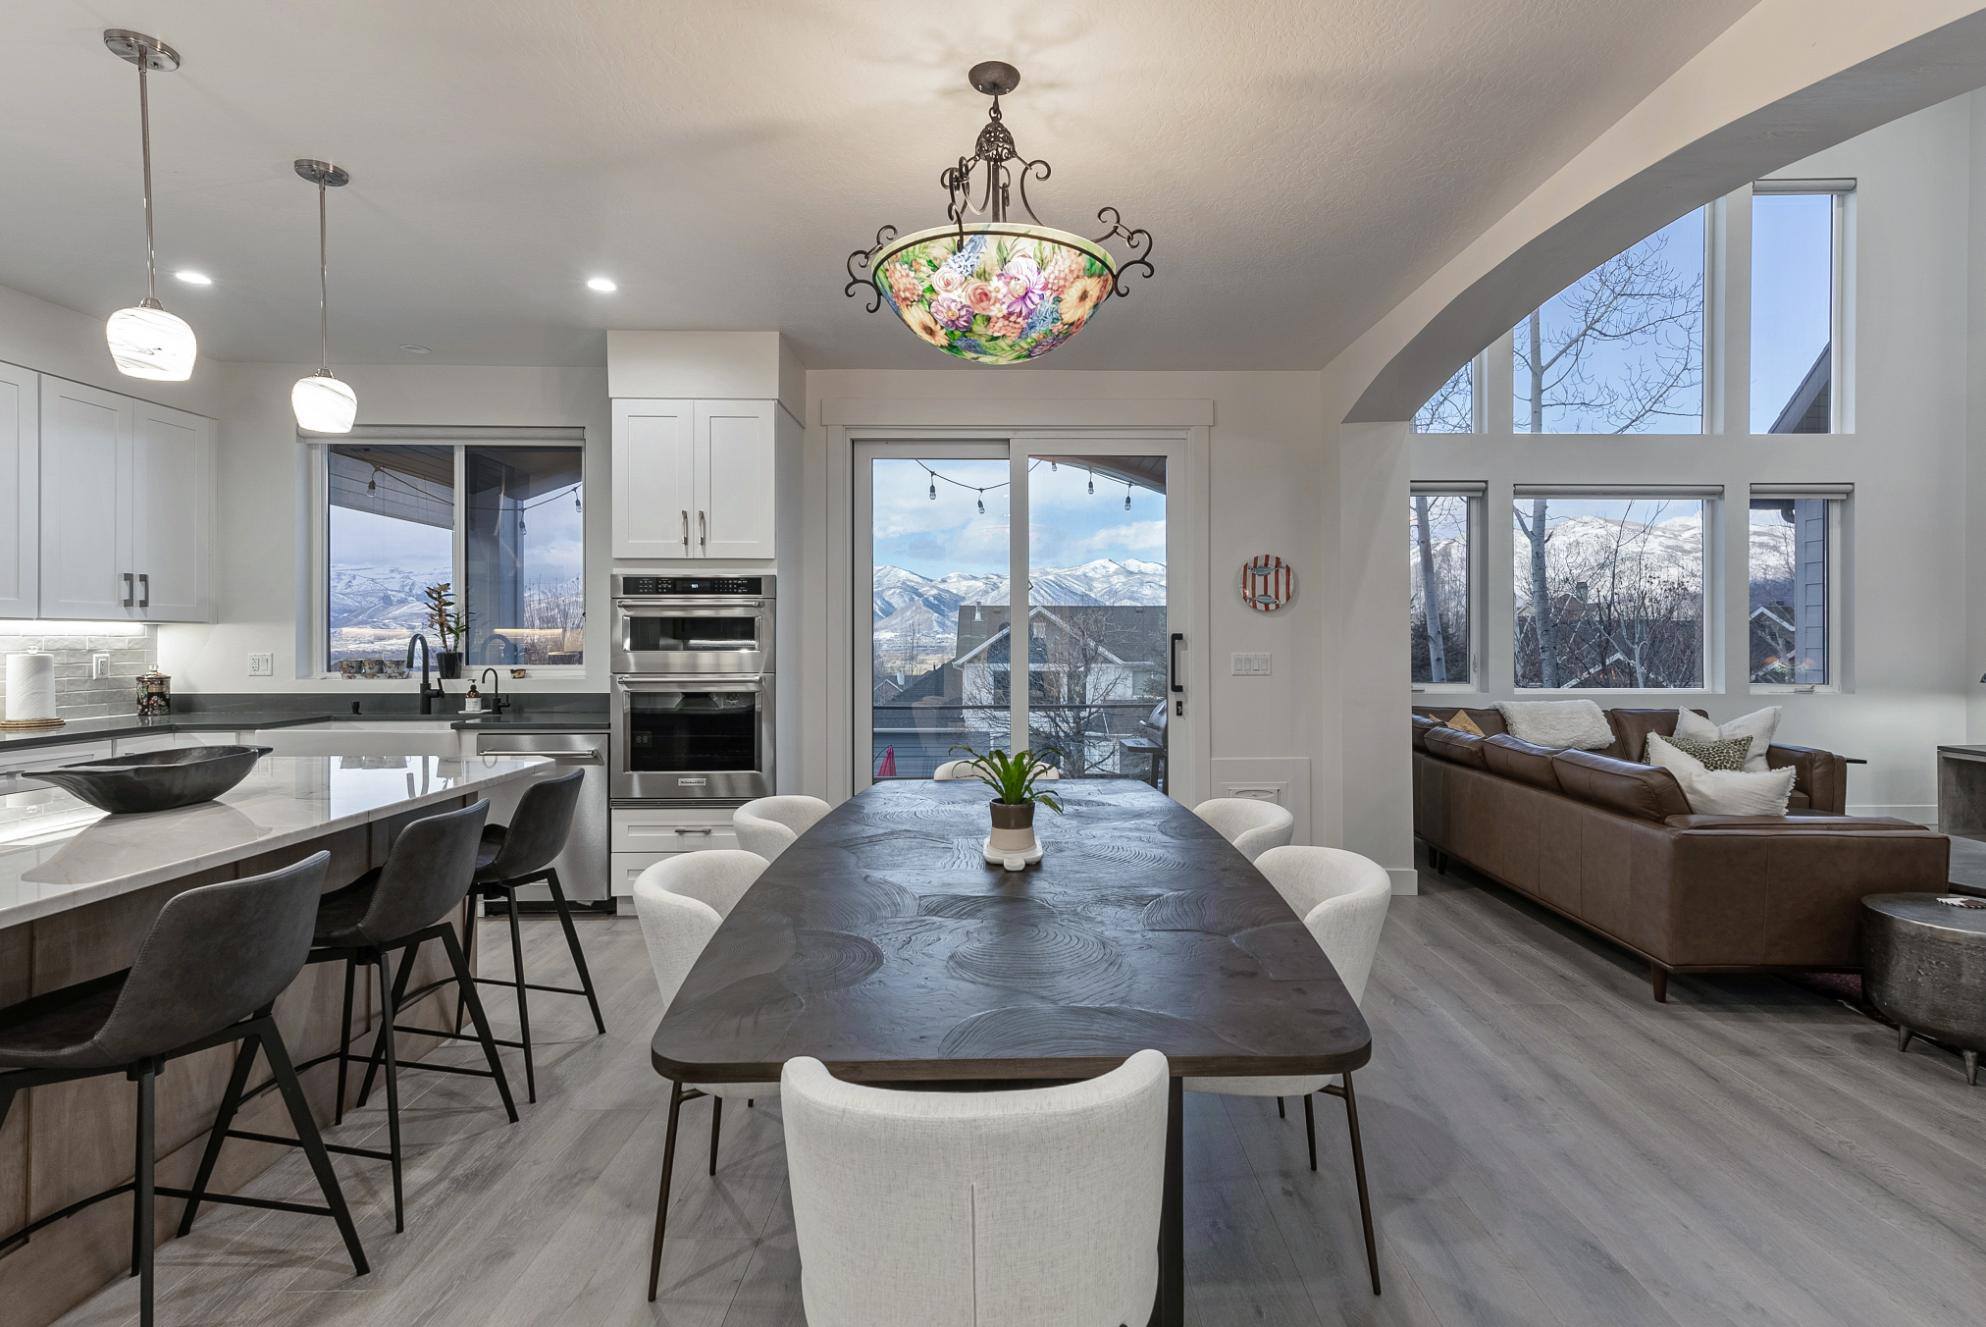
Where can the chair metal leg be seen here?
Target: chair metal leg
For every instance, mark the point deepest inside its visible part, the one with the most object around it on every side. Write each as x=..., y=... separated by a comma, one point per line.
x=1358, y=1171
x=400, y=980
x=1281, y=1113
x=313, y=1144
x=716, y=1121
x=523, y=1004
x=469, y=929
x=389, y=1008
x=1971, y=1059
x=662, y=1197
x=1903, y=1036
x=1310, y=1130
x=244, y=1062
x=141, y=1193
x=344, y=1040
x=572, y=943
x=476, y=1016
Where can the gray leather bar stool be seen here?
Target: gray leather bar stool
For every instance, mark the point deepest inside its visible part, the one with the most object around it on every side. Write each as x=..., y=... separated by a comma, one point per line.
x=208, y=973
x=519, y=854
x=394, y=908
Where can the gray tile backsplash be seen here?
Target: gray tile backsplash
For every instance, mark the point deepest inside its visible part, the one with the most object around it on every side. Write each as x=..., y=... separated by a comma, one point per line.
x=77, y=694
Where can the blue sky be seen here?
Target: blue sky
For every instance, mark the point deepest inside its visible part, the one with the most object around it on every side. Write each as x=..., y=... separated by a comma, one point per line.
x=1070, y=525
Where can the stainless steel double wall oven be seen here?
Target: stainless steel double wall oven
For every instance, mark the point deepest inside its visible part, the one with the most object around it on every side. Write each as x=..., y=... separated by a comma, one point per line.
x=693, y=686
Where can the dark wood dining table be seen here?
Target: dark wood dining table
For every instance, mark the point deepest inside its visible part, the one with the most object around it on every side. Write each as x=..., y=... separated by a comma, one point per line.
x=883, y=944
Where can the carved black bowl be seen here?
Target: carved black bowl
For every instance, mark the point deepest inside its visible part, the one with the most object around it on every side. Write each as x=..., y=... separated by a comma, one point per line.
x=154, y=780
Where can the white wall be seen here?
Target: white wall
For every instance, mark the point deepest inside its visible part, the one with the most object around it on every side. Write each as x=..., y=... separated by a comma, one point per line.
x=260, y=561
x=1909, y=669
x=51, y=339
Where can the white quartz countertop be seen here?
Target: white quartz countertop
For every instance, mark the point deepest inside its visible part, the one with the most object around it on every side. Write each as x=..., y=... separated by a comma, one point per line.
x=58, y=853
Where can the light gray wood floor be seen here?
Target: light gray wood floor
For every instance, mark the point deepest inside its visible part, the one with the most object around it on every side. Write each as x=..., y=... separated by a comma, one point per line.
x=1546, y=1146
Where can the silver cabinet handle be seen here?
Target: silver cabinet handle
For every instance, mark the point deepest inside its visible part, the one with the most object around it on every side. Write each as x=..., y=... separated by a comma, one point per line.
x=702, y=535
x=686, y=529
x=130, y=594
x=144, y=589
x=705, y=832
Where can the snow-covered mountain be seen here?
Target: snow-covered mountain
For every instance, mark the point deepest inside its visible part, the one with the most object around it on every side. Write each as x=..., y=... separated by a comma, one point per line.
x=916, y=616
x=381, y=596
x=1581, y=547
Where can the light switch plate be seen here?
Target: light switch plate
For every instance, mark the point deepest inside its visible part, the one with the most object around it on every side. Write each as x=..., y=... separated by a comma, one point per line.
x=262, y=664
x=1251, y=665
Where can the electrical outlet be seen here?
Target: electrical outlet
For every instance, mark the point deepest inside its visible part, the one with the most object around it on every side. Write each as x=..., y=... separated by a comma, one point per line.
x=99, y=665
x=262, y=664
x=1250, y=665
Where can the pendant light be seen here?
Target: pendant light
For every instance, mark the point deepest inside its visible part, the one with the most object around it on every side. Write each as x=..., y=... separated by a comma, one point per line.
x=322, y=403
x=146, y=341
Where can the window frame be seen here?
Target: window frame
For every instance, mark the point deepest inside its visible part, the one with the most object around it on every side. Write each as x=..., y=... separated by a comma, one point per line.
x=1711, y=634
x=317, y=649
x=1839, y=523
x=1842, y=391
x=1475, y=533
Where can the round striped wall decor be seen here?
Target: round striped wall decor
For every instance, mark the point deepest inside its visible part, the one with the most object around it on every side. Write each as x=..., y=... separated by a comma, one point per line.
x=1267, y=582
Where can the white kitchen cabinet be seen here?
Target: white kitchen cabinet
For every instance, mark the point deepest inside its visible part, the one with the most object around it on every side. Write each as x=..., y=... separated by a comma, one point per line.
x=127, y=507
x=65, y=753
x=693, y=479
x=20, y=512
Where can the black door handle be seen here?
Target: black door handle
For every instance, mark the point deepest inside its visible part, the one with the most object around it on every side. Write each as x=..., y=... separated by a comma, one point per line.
x=1172, y=661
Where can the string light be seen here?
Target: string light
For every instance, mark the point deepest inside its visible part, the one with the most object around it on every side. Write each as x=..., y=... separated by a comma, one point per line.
x=934, y=488
x=1092, y=483
x=1127, y=497
x=982, y=502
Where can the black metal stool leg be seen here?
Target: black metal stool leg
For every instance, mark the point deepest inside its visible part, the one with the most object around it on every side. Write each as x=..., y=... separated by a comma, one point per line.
x=1358, y=1170
x=1310, y=1129
x=1282, y=1113
x=523, y=1004
x=141, y=1193
x=344, y=1040
x=244, y=1061
x=716, y=1121
x=388, y=1010
x=313, y=1144
x=400, y=980
x=572, y=943
x=476, y=1016
x=662, y=1197
x=469, y=929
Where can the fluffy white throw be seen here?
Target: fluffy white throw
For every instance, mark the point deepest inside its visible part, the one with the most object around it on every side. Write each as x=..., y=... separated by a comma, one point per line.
x=1579, y=724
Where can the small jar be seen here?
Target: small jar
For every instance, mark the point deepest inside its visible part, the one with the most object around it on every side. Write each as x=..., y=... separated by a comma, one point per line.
x=154, y=695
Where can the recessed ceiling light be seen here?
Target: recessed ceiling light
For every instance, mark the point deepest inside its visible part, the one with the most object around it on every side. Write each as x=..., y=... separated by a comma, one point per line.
x=413, y=349
x=603, y=285
x=193, y=278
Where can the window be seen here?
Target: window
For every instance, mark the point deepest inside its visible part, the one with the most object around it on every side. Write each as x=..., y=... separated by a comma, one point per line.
x=1789, y=609
x=502, y=525
x=1621, y=349
x=1794, y=298
x=1452, y=409
x=1609, y=590
x=1440, y=635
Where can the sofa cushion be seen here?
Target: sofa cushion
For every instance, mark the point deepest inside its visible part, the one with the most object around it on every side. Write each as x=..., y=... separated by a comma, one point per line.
x=1459, y=747
x=1793, y=823
x=1631, y=728
x=1422, y=724
x=1523, y=761
x=1620, y=785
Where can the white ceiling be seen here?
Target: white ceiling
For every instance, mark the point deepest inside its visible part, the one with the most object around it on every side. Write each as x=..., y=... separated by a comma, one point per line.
x=1301, y=165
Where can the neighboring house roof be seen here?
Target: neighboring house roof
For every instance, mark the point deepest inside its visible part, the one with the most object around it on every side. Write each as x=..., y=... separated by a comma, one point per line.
x=1765, y=612
x=1118, y=623
x=1810, y=409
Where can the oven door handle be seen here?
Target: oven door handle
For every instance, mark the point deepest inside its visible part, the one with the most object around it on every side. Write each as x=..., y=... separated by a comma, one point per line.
x=686, y=683
x=698, y=608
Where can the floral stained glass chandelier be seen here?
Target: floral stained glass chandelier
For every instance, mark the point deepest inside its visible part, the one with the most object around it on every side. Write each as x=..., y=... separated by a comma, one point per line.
x=994, y=289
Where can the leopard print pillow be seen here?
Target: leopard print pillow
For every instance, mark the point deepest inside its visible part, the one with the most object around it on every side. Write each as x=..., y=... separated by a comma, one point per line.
x=1714, y=753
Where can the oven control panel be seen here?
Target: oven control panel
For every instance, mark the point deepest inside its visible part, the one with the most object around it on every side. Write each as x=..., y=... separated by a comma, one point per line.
x=645, y=586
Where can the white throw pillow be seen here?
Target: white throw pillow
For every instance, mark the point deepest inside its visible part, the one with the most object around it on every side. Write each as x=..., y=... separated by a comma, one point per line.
x=1759, y=726
x=1578, y=724
x=1723, y=792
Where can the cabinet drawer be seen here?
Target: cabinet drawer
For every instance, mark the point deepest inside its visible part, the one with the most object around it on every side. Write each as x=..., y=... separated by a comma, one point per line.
x=66, y=754
x=628, y=865
x=670, y=831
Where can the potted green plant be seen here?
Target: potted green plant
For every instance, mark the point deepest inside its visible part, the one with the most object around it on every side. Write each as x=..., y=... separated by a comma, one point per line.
x=1013, y=779
x=450, y=626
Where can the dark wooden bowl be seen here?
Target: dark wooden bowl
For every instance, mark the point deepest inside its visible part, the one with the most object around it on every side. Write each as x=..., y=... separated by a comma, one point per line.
x=154, y=780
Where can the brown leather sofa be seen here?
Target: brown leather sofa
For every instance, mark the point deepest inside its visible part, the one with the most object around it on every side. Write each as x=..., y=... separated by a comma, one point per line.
x=1611, y=844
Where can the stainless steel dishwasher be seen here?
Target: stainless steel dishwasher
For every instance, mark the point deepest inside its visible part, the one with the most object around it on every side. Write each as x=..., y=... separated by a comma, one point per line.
x=582, y=867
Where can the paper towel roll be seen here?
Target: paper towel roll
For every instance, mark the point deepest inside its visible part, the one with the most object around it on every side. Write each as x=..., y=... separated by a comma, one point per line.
x=30, y=686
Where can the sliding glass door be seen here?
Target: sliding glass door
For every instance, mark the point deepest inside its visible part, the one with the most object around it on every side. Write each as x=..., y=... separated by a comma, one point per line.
x=942, y=532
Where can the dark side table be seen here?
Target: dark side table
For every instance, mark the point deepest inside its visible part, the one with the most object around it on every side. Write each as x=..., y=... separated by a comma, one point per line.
x=1924, y=967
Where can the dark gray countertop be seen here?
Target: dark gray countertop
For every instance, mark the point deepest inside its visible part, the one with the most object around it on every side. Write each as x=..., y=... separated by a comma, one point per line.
x=546, y=713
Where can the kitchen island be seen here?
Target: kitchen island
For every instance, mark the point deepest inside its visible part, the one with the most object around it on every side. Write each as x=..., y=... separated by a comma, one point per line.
x=79, y=889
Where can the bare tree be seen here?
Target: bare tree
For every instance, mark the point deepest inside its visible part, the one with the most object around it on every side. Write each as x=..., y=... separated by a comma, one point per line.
x=1452, y=408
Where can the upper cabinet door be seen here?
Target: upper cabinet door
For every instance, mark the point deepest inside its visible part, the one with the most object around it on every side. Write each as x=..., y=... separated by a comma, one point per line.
x=734, y=460
x=654, y=479
x=20, y=509
x=172, y=506
x=86, y=569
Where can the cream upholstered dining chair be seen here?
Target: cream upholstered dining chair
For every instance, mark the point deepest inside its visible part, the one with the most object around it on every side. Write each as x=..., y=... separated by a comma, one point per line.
x=962, y=769
x=769, y=825
x=681, y=901
x=1342, y=899
x=969, y=1209
x=1252, y=826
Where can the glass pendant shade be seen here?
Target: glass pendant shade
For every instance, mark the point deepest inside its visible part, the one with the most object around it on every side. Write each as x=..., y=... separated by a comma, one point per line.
x=147, y=342
x=1008, y=293
x=324, y=404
